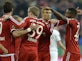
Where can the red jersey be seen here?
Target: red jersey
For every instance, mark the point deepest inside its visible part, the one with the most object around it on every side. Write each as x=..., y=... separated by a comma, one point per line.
x=31, y=38
x=44, y=41
x=6, y=38
x=72, y=35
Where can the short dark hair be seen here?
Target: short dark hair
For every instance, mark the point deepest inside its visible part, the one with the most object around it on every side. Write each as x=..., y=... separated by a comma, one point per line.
x=46, y=8
x=7, y=7
x=72, y=11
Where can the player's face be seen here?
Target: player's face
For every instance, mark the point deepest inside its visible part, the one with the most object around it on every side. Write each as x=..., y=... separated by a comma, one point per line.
x=46, y=14
x=68, y=14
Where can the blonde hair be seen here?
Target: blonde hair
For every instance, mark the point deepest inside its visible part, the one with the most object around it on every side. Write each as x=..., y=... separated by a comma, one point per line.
x=18, y=18
x=35, y=10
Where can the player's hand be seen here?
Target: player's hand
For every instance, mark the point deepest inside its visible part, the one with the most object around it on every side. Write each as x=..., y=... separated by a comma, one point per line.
x=6, y=17
x=53, y=21
x=5, y=50
x=79, y=11
x=33, y=26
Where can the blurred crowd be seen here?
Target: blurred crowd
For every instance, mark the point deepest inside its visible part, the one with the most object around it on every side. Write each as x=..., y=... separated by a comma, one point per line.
x=21, y=6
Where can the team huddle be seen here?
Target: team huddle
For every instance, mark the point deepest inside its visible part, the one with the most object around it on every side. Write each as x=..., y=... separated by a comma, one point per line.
x=35, y=39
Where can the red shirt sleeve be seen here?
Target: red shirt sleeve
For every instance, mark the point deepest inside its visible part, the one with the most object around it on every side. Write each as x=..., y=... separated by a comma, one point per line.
x=60, y=22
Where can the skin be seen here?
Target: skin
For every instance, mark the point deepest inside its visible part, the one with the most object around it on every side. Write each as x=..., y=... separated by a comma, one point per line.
x=46, y=14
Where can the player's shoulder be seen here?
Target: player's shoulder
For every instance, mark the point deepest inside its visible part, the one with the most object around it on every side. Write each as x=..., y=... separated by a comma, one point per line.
x=75, y=21
x=1, y=18
x=72, y=20
x=26, y=18
x=40, y=20
x=56, y=32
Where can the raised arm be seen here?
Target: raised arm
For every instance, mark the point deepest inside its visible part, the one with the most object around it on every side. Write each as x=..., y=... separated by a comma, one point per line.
x=58, y=15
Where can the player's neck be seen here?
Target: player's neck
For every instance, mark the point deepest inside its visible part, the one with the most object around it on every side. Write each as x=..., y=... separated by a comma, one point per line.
x=71, y=18
x=56, y=28
x=45, y=20
x=8, y=14
x=33, y=17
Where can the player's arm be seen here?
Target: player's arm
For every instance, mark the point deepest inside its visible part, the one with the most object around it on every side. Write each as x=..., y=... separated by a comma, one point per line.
x=20, y=24
x=3, y=49
x=59, y=15
x=57, y=22
x=61, y=45
x=19, y=33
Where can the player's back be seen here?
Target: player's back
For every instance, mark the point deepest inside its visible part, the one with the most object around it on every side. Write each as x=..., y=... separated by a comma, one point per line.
x=5, y=33
x=31, y=39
